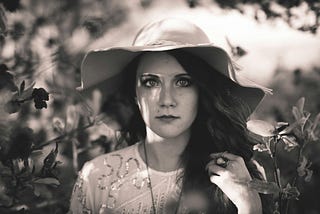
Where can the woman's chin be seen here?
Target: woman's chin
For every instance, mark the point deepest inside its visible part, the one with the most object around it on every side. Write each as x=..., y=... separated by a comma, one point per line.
x=168, y=132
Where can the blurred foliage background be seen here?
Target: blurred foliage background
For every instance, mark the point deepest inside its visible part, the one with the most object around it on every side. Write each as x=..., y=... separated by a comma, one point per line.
x=47, y=131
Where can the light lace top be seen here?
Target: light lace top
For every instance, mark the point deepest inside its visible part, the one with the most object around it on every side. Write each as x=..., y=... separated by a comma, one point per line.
x=117, y=182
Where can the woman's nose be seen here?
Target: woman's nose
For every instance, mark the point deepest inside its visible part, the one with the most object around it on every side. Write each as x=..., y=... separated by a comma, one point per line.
x=167, y=97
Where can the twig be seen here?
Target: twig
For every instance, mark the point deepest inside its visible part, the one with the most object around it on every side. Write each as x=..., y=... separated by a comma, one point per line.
x=61, y=137
x=276, y=170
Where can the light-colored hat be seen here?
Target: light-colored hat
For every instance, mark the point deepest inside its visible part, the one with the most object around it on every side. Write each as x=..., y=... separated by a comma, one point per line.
x=101, y=69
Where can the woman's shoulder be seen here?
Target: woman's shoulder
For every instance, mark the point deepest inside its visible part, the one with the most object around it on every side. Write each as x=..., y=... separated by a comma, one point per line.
x=128, y=151
x=110, y=160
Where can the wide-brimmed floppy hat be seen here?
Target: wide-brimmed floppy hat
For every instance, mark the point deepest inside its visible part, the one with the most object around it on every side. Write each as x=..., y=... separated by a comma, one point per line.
x=102, y=69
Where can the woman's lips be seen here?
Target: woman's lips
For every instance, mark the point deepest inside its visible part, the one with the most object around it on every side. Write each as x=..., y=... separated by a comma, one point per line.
x=167, y=118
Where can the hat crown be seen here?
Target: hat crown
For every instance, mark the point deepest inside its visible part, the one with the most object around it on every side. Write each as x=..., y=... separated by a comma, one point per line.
x=170, y=31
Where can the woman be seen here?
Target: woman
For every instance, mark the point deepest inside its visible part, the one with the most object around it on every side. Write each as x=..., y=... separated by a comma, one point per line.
x=189, y=149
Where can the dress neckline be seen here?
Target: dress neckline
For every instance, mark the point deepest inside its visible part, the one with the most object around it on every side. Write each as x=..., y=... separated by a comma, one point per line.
x=153, y=171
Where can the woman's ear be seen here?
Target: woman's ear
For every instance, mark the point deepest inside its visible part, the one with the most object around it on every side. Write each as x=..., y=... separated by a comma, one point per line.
x=136, y=101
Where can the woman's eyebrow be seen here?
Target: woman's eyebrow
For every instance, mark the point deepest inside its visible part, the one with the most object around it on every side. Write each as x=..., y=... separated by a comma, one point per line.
x=156, y=76
x=149, y=75
x=183, y=75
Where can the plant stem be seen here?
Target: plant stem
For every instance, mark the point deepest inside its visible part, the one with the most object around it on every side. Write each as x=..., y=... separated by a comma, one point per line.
x=59, y=138
x=75, y=156
x=296, y=173
x=276, y=170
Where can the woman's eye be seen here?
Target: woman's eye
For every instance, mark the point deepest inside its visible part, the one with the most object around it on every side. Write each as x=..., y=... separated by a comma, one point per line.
x=150, y=83
x=183, y=82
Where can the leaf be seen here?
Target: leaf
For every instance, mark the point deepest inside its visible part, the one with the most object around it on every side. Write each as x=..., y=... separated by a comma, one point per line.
x=51, y=157
x=261, y=147
x=290, y=142
x=297, y=110
x=27, y=91
x=5, y=200
x=261, y=128
x=36, y=153
x=4, y=171
x=299, y=113
x=281, y=126
x=294, y=125
x=316, y=122
x=49, y=161
x=72, y=118
x=309, y=175
x=48, y=181
x=3, y=21
x=36, y=190
x=264, y=187
x=290, y=192
x=300, y=104
x=302, y=166
x=307, y=116
x=314, y=133
x=303, y=169
x=22, y=86
x=296, y=113
x=58, y=125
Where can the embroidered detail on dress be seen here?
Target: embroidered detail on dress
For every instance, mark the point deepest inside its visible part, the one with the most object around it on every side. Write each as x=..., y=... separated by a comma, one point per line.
x=120, y=176
x=103, y=208
x=116, y=184
x=138, y=181
x=78, y=184
x=102, y=182
x=140, y=176
x=161, y=202
x=86, y=211
x=80, y=194
x=83, y=201
x=108, y=166
x=111, y=201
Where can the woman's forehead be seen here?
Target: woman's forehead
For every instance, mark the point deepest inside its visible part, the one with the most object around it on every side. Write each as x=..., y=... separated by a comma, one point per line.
x=159, y=63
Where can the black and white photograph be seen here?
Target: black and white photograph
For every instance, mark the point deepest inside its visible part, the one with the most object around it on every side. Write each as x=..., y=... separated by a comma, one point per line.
x=159, y=106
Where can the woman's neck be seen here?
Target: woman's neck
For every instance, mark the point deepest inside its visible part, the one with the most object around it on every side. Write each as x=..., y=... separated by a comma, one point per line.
x=164, y=154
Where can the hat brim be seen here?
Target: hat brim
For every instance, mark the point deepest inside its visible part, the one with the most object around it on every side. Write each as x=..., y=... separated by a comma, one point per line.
x=101, y=69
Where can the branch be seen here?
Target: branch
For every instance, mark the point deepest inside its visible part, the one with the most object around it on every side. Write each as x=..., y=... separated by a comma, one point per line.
x=61, y=137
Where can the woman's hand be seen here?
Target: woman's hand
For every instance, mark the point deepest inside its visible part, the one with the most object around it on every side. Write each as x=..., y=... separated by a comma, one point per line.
x=230, y=174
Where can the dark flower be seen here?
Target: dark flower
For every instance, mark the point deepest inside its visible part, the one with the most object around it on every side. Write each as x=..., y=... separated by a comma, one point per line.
x=51, y=42
x=192, y=3
x=94, y=26
x=4, y=138
x=11, y=5
x=145, y=3
x=40, y=104
x=40, y=21
x=6, y=79
x=20, y=140
x=39, y=96
x=3, y=68
x=17, y=31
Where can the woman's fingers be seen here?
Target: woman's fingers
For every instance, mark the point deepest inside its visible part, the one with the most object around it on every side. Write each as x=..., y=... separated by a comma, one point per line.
x=230, y=174
x=233, y=166
x=214, y=169
x=226, y=155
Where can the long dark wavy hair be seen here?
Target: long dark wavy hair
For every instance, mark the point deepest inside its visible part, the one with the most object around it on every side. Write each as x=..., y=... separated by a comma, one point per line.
x=220, y=126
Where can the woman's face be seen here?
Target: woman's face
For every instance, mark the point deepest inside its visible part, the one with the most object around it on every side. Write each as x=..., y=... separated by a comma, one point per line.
x=166, y=95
